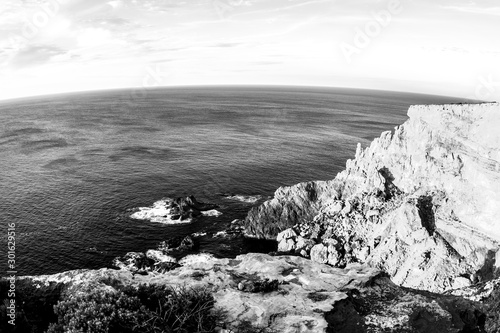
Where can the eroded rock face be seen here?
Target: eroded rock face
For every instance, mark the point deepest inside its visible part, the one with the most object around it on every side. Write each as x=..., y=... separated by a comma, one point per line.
x=421, y=203
x=289, y=206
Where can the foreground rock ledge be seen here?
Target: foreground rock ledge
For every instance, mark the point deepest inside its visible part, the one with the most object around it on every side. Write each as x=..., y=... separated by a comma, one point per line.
x=421, y=203
x=311, y=297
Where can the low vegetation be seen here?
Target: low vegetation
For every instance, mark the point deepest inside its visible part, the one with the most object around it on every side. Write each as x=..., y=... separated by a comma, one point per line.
x=113, y=309
x=34, y=305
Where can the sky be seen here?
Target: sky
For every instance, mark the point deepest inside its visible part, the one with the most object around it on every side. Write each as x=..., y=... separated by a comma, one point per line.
x=442, y=47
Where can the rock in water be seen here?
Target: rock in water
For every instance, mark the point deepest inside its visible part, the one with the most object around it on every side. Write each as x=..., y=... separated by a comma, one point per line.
x=421, y=203
x=189, y=207
x=177, y=211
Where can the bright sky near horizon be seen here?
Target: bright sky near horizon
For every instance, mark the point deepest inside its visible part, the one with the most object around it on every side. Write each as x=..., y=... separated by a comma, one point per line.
x=444, y=47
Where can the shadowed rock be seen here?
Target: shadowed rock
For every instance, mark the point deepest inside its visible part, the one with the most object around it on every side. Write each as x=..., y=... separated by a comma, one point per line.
x=188, y=207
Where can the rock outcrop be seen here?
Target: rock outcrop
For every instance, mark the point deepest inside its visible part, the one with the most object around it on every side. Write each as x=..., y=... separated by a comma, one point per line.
x=421, y=203
x=189, y=207
x=160, y=260
x=293, y=294
x=289, y=206
x=174, y=211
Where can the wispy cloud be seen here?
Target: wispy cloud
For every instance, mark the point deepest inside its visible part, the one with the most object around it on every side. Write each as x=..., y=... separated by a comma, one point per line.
x=35, y=55
x=474, y=8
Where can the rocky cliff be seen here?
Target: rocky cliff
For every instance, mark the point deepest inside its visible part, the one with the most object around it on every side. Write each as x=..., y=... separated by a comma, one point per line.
x=307, y=296
x=422, y=203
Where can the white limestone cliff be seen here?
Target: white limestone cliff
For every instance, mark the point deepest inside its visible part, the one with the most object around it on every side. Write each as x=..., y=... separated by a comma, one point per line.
x=421, y=203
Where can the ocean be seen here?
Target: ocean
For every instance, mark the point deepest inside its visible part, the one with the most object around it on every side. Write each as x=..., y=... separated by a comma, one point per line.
x=76, y=167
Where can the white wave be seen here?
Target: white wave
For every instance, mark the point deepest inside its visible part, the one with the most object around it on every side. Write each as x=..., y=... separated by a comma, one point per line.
x=159, y=212
x=212, y=212
x=245, y=198
x=222, y=234
x=200, y=260
x=159, y=256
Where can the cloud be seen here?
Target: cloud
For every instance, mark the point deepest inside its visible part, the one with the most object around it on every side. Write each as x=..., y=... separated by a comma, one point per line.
x=35, y=55
x=149, y=5
x=476, y=9
x=93, y=37
x=268, y=63
x=117, y=22
x=226, y=45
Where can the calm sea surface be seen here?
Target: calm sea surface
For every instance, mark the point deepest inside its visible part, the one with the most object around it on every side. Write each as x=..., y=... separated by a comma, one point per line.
x=75, y=167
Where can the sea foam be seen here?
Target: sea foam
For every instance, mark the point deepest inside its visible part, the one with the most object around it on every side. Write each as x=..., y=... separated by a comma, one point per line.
x=212, y=212
x=245, y=198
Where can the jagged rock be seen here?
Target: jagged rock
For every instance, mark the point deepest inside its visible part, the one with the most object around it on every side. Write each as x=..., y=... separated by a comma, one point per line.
x=150, y=261
x=347, y=208
x=133, y=261
x=286, y=245
x=372, y=212
x=319, y=253
x=334, y=208
x=177, y=246
x=333, y=255
x=286, y=240
x=423, y=202
x=188, y=207
x=159, y=257
x=290, y=205
x=288, y=233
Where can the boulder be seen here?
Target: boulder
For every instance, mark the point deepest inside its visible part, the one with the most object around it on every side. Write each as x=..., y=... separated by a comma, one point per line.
x=319, y=253
x=286, y=245
x=286, y=234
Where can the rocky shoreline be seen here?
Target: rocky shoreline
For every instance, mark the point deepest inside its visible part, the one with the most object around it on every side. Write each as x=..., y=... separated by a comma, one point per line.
x=406, y=239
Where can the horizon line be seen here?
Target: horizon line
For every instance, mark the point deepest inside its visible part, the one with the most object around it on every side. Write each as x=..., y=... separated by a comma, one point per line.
x=228, y=85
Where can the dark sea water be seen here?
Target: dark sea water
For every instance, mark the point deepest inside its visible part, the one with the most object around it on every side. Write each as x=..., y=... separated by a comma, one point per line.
x=74, y=167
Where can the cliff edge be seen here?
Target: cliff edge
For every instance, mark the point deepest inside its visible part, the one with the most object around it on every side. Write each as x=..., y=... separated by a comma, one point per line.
x=422, y=203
